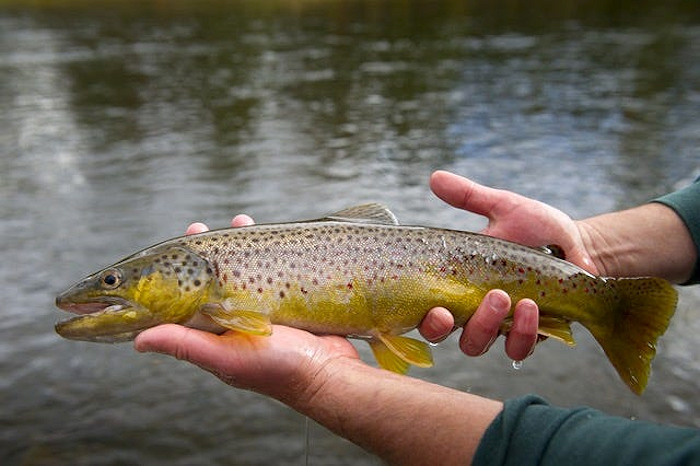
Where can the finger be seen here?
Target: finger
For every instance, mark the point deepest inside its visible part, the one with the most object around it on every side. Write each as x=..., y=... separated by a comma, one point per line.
x=195, y=228
x=437, y=324
x=464, y=193
x=482, y=328
x=577, y=255
x=242, y=220
x=521, y=340
x=181, y=342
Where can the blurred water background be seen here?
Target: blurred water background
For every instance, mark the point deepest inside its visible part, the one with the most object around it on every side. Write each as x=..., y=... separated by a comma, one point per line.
x=123, y=121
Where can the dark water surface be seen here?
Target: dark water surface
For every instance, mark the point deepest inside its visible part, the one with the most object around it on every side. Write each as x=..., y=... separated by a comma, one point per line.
x=122, y=122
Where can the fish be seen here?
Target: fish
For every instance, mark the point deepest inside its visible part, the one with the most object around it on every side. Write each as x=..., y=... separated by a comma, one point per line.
x=360, y=274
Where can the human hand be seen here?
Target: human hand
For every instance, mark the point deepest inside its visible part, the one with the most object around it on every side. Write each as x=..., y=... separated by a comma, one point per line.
x=282, y=365
x=515, y=218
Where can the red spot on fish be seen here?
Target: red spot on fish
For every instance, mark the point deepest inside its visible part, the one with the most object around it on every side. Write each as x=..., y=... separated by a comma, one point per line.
x=225, y=278
x=349, y=286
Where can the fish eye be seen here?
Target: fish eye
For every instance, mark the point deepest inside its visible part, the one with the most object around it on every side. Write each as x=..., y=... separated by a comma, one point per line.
x=111, y=279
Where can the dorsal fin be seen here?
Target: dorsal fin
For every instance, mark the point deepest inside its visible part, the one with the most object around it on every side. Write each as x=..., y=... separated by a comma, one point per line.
x=365, y=213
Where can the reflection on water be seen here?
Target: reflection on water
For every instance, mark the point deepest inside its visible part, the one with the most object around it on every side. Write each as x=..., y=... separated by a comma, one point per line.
x=122, y=123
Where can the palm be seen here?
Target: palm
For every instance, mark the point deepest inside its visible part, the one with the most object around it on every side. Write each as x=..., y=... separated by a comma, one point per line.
x=250, y=362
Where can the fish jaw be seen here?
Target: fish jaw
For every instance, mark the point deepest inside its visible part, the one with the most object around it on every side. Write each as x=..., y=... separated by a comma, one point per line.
x=107, y=320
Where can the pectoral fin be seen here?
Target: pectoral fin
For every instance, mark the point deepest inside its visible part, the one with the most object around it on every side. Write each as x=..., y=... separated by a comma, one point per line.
x=250, y=322
x=395, y=352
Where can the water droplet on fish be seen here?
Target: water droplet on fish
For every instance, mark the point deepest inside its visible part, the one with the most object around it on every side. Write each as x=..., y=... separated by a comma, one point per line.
x=517, y=365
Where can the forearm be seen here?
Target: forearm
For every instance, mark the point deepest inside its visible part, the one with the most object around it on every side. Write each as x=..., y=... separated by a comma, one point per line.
x=401, y=419
x=647, y=240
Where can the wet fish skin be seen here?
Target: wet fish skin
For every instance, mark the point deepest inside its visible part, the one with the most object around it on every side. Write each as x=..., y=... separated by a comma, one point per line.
x=358, y=273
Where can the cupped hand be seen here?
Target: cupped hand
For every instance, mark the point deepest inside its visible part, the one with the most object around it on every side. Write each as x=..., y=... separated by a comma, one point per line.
x=515, y=218
x=281, y=365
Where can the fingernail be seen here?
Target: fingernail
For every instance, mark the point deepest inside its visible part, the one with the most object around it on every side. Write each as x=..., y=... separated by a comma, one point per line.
x=498, y=302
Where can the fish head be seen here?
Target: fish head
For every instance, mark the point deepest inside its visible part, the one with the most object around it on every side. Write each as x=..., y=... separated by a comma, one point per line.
x=159, y=285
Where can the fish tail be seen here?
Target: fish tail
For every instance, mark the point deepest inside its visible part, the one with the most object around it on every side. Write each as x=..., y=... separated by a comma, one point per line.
x=628, y=332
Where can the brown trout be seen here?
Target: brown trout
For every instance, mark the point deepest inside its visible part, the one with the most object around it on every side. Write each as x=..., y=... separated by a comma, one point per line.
x=360, y=274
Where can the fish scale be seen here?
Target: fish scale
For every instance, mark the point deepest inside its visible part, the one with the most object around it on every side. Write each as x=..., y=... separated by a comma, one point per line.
x=358, y=273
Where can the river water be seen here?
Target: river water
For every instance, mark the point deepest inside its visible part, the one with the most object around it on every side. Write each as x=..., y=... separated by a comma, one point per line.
x=123, y=122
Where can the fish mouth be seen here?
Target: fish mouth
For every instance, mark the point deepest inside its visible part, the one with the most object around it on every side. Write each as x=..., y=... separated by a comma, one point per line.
x=104, y=319
x=97, y=306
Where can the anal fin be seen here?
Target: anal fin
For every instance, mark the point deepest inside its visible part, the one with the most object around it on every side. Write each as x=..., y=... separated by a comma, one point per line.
x=548, y=326
x=557, y=328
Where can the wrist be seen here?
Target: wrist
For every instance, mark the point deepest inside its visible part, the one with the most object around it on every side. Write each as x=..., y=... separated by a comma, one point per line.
x=649, y=240
x=598, y=247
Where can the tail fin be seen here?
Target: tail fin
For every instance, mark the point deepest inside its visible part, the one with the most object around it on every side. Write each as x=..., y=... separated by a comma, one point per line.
x=628, y=334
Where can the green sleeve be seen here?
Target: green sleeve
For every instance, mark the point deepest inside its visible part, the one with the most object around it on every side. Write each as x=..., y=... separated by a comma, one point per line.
x=686, y=203
x=530, y=431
